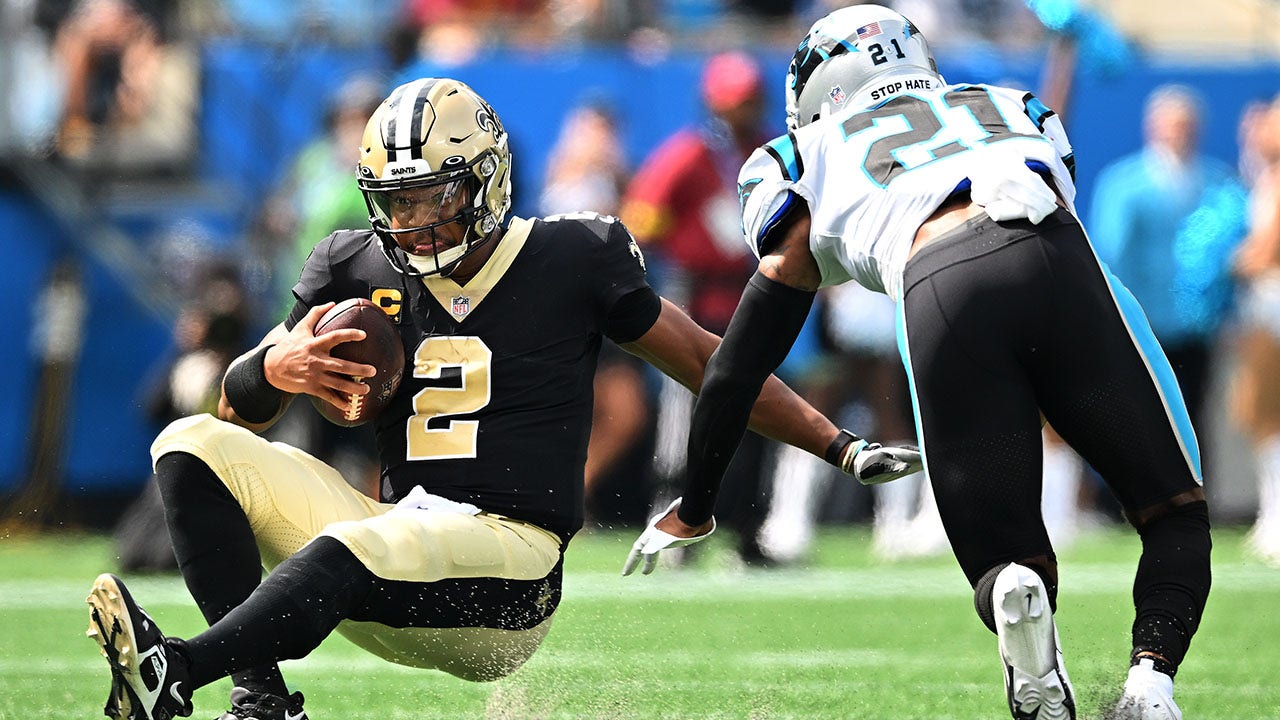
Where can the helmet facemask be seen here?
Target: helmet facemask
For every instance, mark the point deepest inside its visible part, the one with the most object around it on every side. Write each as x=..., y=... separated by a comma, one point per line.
x=434, y=156
x=419, y=213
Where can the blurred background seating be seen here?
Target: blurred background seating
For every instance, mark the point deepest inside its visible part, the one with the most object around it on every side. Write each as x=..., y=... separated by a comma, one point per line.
x=143, y=140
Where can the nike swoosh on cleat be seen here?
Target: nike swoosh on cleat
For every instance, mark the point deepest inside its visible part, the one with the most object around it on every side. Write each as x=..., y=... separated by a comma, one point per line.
x=288, y=716
x=173, y=691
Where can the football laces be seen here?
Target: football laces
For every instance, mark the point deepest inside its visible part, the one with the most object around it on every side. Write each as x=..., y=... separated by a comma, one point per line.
x=355, y=403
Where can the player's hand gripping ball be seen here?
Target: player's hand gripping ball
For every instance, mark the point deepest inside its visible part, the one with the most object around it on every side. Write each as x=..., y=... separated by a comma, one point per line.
x=380, y=348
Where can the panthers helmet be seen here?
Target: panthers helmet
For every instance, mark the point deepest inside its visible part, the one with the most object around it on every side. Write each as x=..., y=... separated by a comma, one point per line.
x=854, y=57
x=437, y=133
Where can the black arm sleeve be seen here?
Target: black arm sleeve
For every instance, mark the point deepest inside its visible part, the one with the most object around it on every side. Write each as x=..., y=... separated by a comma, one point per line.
x=760, y=335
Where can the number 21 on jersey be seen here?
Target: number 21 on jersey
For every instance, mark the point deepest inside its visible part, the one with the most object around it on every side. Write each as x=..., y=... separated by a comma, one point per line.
x=461, y=364
x=922, y=132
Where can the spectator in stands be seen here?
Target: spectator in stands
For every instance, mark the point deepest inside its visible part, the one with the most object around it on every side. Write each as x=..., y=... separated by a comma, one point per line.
x=586, y=171
x=129, y=95
x=1165, y=219
x=1255, y=396
x=587, y=167
x=315, y=199
x=682, y=206
x=455, y=32
x=208, y=334
x=109, y=51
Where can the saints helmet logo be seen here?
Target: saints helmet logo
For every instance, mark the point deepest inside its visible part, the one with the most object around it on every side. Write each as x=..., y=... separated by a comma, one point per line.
x=488, y=121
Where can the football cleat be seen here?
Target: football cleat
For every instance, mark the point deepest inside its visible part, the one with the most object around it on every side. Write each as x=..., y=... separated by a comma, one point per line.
x=1148, y=695
x=1035, y=680
x=148, y=678
x=249, y=705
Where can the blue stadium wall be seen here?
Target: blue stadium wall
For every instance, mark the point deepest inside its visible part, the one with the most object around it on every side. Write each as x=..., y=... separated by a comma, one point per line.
x=259, y=105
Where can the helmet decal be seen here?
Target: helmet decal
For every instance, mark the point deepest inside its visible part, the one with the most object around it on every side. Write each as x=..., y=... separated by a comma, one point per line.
x=850, y=53
x=487, y=122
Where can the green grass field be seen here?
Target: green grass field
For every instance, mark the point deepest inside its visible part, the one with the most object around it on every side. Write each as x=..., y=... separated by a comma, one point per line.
x=844, y=637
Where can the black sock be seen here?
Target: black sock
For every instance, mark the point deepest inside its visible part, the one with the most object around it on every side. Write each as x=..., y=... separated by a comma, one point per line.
x=1171, y=585
x=292, y=611
x=215, y=548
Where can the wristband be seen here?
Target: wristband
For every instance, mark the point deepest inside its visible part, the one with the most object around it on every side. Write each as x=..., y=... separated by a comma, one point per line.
x=837, y=452
x=248, y=393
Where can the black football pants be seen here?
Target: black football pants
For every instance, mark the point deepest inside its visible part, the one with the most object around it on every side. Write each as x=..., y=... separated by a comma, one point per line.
x=1001, y=322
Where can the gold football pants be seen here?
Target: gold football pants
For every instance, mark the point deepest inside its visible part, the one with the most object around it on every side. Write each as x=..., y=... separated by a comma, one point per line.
x=291, y=497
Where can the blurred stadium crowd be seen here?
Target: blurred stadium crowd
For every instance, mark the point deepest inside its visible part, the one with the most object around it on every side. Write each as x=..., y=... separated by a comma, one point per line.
x=165, y=167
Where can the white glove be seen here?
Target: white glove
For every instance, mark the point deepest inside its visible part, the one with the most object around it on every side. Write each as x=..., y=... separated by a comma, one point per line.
x=653, y=540
x=1007, y=189
x=873, y=463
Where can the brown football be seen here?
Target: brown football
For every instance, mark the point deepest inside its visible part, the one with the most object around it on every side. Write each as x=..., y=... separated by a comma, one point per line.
x=381, y=348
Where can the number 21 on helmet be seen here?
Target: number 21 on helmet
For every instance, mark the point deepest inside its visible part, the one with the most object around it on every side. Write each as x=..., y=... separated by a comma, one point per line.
x=855, y=57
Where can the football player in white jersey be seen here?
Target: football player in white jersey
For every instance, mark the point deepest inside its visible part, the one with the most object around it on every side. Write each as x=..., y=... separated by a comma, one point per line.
x=956, y=200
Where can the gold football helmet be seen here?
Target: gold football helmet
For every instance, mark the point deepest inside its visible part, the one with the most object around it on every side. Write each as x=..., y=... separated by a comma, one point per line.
x=436, y=133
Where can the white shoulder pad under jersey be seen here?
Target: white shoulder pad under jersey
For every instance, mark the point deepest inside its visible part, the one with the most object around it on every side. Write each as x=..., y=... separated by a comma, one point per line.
x=870, y=178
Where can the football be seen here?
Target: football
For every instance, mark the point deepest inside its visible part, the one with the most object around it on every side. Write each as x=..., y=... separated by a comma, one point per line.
x=381, y=348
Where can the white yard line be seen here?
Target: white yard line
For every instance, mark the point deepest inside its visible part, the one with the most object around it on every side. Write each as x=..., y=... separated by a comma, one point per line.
x=693, y=586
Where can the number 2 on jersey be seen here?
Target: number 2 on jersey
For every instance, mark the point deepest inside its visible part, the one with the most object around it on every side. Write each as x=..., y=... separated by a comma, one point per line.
x=885, y=156
x=462, y=364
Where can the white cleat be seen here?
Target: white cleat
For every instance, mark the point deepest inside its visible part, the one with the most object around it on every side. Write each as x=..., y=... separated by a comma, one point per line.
x=1148, y=695
x=1035, y=680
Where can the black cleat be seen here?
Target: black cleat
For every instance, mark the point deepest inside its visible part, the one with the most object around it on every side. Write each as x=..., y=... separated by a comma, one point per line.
x=148, y=678
x=249, y=705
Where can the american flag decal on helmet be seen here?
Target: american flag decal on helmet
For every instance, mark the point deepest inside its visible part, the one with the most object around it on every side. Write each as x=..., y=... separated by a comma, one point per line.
x=867, y=31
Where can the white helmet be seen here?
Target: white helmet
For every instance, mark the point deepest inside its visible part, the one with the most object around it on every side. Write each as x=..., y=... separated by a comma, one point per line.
x=855, y=57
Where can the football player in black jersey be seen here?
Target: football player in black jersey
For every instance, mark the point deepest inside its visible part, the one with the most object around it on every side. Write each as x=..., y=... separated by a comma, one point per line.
x=459, y=567
x=956, y=201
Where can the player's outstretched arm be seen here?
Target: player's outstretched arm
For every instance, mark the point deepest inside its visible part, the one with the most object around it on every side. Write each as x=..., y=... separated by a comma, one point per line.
x=735, y=386
x=260, y=383
x=681, y=348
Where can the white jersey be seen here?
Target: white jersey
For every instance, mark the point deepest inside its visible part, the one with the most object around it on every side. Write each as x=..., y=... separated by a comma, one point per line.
x=872, y=177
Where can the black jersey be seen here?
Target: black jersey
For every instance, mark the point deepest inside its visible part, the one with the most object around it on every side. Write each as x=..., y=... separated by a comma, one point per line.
x=495, y=406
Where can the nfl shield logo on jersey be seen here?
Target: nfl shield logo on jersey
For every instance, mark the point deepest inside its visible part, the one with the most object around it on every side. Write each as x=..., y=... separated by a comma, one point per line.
x=837, y=95
x=461, y=306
